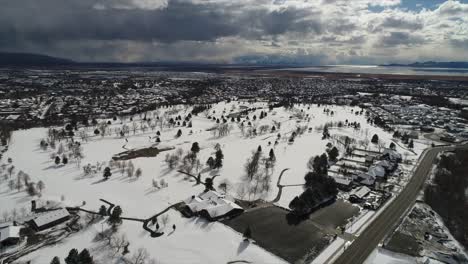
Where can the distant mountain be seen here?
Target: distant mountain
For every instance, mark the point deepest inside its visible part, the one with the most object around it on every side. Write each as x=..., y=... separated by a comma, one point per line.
x=30, y=59
x=432, y=64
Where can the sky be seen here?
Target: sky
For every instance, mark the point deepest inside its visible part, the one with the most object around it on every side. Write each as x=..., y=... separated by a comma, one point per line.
x=313, y=32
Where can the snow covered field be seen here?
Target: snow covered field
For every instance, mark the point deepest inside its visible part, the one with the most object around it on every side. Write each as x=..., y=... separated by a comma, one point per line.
x=194, y=239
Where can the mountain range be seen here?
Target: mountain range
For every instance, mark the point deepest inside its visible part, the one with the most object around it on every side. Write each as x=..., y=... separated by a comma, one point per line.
x=8, y=59
x=432, y=64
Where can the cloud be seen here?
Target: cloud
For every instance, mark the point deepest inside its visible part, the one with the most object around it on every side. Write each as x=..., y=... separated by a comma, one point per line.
x=398, y=38
x=325, y=31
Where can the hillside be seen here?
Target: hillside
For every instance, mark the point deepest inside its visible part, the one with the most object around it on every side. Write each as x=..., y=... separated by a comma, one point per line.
x=30, y=59
x=432, y=64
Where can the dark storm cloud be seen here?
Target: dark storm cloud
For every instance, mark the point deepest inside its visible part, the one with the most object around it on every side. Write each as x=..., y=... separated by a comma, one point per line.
x=395, y=23
x=401, y=23
x=46, y=21
x=400, y=38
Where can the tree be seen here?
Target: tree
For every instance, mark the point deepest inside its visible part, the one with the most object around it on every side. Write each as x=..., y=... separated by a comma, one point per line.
x=219, y=156
x=85, y=258
x=140, y=256
x=195, y=147
x=55, y=260
x=333, y=154
x=179, y=133
x=64, y=160
x=40, y=186
x=247, y=233
x=411, y=144
x=318, y=164
x=72, y=257
x=392, y=146
x=271, y=155
x=31, y=189
x=210, y=162
x=114, y=219
x=375, y=139
x=138, y=173
x=259, y=149
x=102, y=210
x=225, y=185
x=57, y=160
x=107, y=173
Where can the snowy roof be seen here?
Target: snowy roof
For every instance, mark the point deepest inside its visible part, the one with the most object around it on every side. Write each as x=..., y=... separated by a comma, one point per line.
x=360, y=192
x=50, y=216
x=341, y=180
x=376, y=171
x=213, y=202
x=393, y=154
x=9, y=232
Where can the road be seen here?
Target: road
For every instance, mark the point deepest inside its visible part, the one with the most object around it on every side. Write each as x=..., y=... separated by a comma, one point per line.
x=368, y=240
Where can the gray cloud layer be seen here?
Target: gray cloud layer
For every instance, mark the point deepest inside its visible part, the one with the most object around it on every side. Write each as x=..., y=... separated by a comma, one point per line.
x=221, y=30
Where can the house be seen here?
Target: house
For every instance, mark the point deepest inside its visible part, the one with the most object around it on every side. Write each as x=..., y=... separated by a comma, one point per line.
x=392, y=155
x=357, y=195
x=211, y=205
x=9, y=235
x=448, y=138
x=369, y=159
x=343, y=183
x=364, y=178
x=50, y=219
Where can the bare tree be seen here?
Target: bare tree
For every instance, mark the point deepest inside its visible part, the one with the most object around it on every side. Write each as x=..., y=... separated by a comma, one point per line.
x=134, y=127
x=140, y=256
x=118, y=242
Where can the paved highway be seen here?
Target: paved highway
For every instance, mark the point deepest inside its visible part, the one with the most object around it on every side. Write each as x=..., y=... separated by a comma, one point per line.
x=362, y=246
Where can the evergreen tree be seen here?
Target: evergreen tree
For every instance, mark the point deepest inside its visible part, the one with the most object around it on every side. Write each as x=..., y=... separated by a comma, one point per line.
x=64, y=160
x=392, y=146
x=107, y=173
x=103, y=210
x=138, y=173
x=179, y=133
x=219, y=156
x=333, y=154
x=411, y=144
x=57, y=160
x=247, y=233
x=210, y=162
x=272, y=155
x=259, y=149
x=114, y=219
x=72, y=257
x=375, y=139
x=55, y=260
x=85, y=257
x=195, y=147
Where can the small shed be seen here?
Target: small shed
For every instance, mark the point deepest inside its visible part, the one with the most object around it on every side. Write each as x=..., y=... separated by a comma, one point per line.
x=9, y=235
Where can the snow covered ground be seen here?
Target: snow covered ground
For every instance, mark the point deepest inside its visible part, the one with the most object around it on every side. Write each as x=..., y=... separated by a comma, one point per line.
x=194, y=239
x=382, y=256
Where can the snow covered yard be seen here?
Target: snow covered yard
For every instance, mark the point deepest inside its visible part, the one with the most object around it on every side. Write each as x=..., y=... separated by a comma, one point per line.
x=194, y=239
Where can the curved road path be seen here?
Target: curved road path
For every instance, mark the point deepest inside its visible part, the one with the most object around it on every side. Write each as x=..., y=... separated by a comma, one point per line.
x=368, y=240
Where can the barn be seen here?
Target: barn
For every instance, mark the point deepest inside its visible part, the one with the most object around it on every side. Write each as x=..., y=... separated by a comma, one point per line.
x=50, y=219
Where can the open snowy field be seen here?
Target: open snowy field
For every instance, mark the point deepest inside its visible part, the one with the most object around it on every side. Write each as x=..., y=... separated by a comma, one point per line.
x=194, y=239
